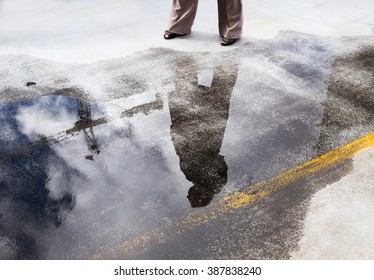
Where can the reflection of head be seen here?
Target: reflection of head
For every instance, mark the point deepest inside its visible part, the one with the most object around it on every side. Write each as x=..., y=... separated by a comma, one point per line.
x=209, y=176
x=199, y=196
x=211, y=182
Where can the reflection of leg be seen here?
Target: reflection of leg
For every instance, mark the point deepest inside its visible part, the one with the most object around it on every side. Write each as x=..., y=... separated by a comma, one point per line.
x=230, y=18
x=182, y=16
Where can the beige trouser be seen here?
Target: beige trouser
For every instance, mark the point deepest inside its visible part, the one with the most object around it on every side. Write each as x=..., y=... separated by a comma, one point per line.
x=230, y=19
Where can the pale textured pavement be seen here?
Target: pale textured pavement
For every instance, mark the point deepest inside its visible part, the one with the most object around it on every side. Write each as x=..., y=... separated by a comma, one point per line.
x=340, y=219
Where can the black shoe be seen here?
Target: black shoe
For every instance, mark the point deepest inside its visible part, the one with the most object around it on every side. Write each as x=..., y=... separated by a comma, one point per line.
x=171, y=35
x=228, y=41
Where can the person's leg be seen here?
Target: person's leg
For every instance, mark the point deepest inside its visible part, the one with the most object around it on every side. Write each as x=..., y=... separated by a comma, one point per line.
x=222, y=17
x=230, y=18
x=182, y=16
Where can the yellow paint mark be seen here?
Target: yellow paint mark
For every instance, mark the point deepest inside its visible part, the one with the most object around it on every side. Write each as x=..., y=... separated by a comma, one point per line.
x=140, y=243
x=132, y=248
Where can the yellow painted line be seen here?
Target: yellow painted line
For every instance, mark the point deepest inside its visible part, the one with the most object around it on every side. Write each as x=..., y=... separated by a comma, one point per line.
x=130, y=249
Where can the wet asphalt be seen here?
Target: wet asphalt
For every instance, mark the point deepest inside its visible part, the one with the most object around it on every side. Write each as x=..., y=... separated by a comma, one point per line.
x=94, y=155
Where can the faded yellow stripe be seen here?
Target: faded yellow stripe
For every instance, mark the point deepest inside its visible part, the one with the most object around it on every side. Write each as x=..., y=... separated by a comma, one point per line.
x=130, y=249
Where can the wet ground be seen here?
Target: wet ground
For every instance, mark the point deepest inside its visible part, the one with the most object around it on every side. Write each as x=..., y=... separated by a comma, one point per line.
x=99, y=160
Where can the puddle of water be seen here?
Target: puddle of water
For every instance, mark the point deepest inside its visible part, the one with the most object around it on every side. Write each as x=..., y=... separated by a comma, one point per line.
x=69, y=173
x=75, y=182
x=73, y=176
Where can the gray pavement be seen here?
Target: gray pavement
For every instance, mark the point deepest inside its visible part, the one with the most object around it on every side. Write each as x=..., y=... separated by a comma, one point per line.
x=83, y=173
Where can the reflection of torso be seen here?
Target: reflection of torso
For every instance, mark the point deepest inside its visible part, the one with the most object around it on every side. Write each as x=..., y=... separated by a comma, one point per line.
x=199, y=116
x=197, y=132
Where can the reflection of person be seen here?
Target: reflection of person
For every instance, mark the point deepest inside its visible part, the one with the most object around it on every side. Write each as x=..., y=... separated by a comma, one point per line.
x=84, y=115
x=199, y=116
x=230, y=19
